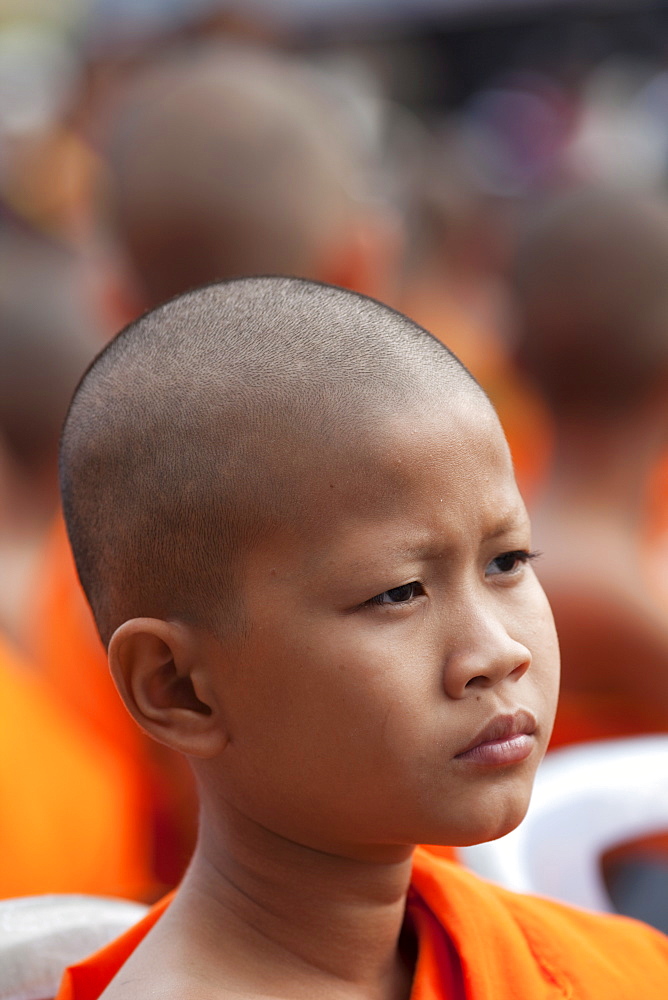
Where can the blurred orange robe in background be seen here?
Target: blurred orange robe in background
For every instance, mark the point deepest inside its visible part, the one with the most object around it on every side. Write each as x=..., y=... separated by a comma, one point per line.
x=69, y=816
x=585, y=716
x=70, y=657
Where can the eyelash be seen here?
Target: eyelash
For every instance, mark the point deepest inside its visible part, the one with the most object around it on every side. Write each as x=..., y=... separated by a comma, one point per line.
x=413, y=584
x=521, y=556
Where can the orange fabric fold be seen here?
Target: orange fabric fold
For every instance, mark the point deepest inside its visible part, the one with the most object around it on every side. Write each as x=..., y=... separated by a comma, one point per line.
x=479, y=942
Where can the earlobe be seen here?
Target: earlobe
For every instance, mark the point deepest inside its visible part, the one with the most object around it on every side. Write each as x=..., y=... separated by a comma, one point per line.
x=161, y=670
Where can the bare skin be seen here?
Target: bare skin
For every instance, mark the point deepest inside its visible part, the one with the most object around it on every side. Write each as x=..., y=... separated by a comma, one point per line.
x=386, y=630
x=339, y=941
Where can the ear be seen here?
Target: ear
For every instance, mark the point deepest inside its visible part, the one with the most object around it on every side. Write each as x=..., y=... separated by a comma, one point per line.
x=165, y=673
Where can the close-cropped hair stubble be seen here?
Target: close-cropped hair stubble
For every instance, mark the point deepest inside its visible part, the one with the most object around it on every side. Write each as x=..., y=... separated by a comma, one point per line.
x=191, y=433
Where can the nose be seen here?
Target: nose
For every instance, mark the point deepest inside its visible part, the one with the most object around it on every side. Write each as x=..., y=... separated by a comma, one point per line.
x=484, y=654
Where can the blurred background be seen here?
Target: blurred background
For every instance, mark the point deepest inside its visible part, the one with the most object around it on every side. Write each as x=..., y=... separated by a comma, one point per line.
x=497, y=170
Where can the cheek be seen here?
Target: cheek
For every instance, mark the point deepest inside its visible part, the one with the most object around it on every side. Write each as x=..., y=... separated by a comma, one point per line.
x=325, y=733
x=332, y=699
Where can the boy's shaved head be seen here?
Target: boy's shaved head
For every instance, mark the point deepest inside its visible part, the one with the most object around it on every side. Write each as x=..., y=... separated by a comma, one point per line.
x=592, y=282
x=213, y=419
x=228, y=162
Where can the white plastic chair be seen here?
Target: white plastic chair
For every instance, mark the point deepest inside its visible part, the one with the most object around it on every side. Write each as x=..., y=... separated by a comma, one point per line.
x=41, y=935
x=587, y=799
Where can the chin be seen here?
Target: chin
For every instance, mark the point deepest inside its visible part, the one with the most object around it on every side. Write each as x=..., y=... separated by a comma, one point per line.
x=497, y=819
x=505, y=823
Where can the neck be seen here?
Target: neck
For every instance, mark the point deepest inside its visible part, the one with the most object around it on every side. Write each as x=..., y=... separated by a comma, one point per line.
x=302, y=920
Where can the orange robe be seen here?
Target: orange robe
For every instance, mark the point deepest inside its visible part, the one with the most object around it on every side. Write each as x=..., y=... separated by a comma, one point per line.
x=68, y=814
x=586, y=716
x=64, y=643
x=67, y=650
x=480, y=942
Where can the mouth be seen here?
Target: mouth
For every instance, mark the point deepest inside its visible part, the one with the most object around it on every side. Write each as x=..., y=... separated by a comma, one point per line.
x=507, y=739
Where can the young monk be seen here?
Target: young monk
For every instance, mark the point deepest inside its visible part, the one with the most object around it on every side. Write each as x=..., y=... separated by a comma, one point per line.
x=295, y=517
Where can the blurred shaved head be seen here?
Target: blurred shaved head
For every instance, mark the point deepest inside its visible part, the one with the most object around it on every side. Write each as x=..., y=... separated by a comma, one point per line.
x=592, y=284
x=45, y=346
x=228, y=161
x=216, y=418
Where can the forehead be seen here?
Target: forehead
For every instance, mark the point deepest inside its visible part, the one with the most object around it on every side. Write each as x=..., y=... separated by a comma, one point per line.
x=429, y=487
x=436, y=460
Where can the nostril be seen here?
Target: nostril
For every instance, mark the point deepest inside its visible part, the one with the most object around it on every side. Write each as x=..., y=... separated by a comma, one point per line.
x=479, y=681
x=520, y=669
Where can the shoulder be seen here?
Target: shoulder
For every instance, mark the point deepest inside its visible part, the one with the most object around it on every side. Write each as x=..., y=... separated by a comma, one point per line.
x=596, y=934
x=526, y=939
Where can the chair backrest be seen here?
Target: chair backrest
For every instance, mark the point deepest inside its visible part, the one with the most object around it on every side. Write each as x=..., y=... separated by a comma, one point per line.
x=41, y=935
x=587, y=799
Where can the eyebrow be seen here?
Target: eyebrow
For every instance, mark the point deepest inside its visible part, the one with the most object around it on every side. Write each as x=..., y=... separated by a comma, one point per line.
x=514, y=518
x=511, y=520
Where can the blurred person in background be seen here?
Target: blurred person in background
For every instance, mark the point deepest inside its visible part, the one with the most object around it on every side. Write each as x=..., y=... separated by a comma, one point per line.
x=94, y=806
x=454, y=284
x=45, y=344
x=78, y=812
x=592, y=286
x=458, y=240
x=72, y=816
x=227, y=160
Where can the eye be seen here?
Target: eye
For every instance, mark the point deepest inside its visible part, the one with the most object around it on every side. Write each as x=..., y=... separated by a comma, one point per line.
x=510, y=562
x=399, y=595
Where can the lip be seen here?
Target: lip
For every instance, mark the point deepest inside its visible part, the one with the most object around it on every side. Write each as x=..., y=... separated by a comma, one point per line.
x=507, y=739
